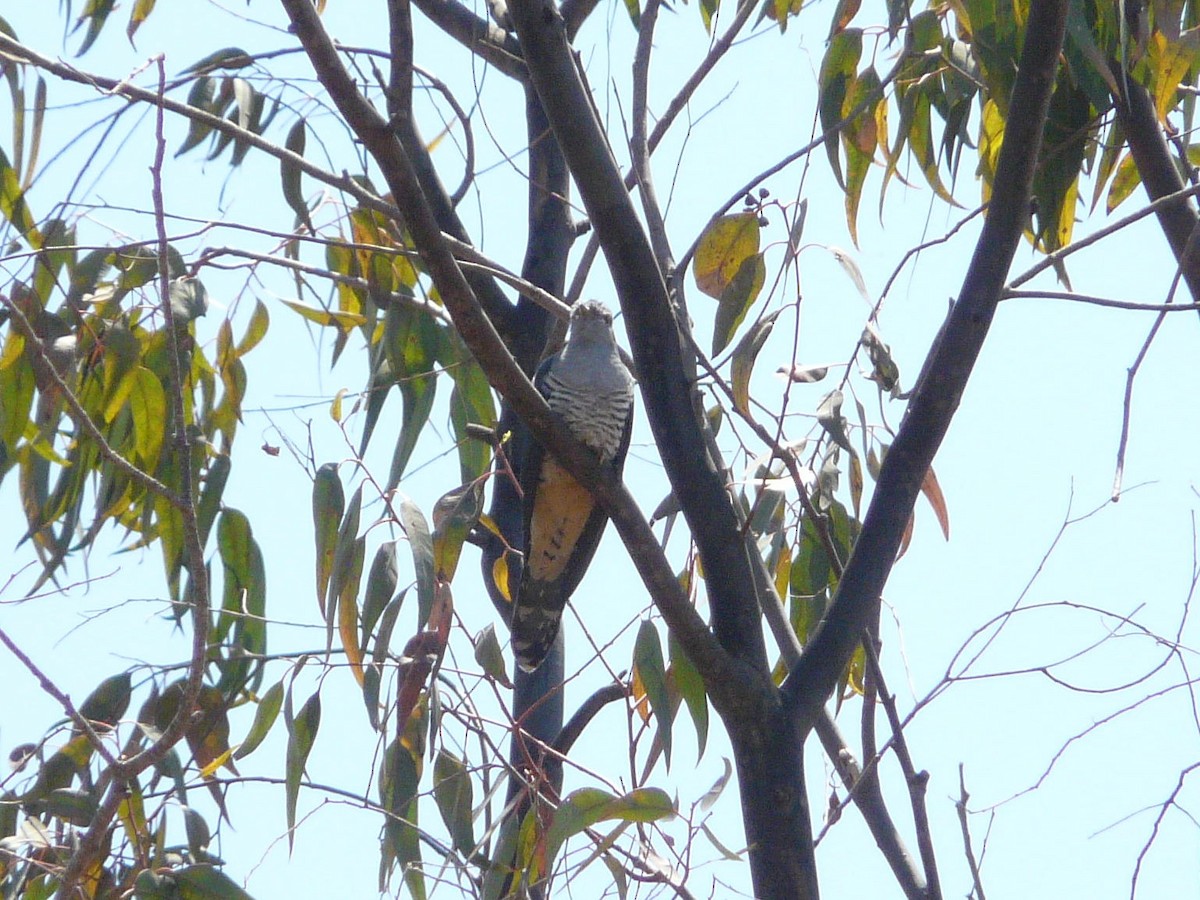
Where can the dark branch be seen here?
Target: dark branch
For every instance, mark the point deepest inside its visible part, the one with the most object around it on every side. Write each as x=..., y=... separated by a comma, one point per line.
x=1160, y=177
x=487, y=41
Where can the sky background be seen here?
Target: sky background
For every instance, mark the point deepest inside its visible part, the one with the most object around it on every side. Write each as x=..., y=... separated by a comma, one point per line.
x=1033, y=446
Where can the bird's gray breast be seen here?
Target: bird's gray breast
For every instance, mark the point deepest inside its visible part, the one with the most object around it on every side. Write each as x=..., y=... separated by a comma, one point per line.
x=593, y=393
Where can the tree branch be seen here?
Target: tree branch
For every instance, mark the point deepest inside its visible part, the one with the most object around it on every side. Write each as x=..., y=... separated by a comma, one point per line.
x=1160, y=177
x=489, y=42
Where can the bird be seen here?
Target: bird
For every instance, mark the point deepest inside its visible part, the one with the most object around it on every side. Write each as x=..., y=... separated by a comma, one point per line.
x=590, y=389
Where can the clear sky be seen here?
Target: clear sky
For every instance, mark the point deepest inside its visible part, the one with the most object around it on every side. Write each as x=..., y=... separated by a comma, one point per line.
x=1034, y=444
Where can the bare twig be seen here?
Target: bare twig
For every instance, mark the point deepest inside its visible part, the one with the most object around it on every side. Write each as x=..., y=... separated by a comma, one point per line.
x=961, y=806
x=63, y=700
x=1127, y=406
x=917, y=781
x=1101, y=301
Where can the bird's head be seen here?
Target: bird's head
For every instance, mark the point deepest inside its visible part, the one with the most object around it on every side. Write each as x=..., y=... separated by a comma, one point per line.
x=591, y=321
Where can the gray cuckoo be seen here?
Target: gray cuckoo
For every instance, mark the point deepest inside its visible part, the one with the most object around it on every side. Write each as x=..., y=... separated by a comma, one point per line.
x=589, y=388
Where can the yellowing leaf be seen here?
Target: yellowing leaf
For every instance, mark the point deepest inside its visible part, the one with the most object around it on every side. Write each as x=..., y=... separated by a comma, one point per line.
x=346, y=321
x=725, y=245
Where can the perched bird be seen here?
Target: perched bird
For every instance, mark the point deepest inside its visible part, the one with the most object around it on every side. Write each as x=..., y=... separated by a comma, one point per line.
x=589, y=388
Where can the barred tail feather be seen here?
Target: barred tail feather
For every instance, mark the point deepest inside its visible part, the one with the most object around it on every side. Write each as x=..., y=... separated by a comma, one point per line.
x=536, y=619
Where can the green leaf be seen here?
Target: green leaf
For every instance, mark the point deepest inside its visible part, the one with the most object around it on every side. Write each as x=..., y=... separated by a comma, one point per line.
x=148, y=404
x=490, y=657
x=452, y=793
x=141, y=12
x=264, y=717
x=229, y=58
x=859, y=141
x=399, y=777
x=648, y=663
x=736, y=300
x=690, y=686
x=108, y=702
x=633, y=7
x=75, y=807
x=744, y=356
x=381, y=587
x=454, y=515
x=260, y=320
x=328, y=505
x=12, y=203
x=343, y=556
x=189, y=300
x=829, y=415
x=301, y=735
x=417, y=395
x=387, y=624
x=347, y=605
x=203, y=882
x=290, y=176
x=471, y=403
x=345, y=321
x=420, y=542
x=585, y=807
x=838, y=72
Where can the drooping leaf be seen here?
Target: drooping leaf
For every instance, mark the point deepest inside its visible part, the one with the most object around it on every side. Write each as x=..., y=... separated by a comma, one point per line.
x=454, y=515
x=264, y=717
x=490, y=657
x=650, y=669
x=348, y=609
x=420, y=542
x=933, y=493
x=290, y=176
x=141, y=12
x=744, y=356
x=585, y=807
x=838, y=71
x=344, y=554
x=381, y=587
x=737, y=299
x=328, y=506
x=453, y=795
x=301, y=736
x=690, y=686
x=105, y=705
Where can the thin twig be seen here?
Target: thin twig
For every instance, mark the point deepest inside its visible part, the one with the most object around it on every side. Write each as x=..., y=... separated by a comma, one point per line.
x=1127, y=407
x=917, y=782
x=1101, y=301
x=63, y=700
x=961, y=806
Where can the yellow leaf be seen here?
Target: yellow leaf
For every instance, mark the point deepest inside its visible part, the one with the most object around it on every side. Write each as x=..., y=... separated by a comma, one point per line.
x=348, y=629
x=211, y=769
x=725, y=245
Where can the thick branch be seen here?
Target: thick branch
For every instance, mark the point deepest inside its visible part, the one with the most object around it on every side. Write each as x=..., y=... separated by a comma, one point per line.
x=1160, y=178
x=487, y=41
x=952, y=359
